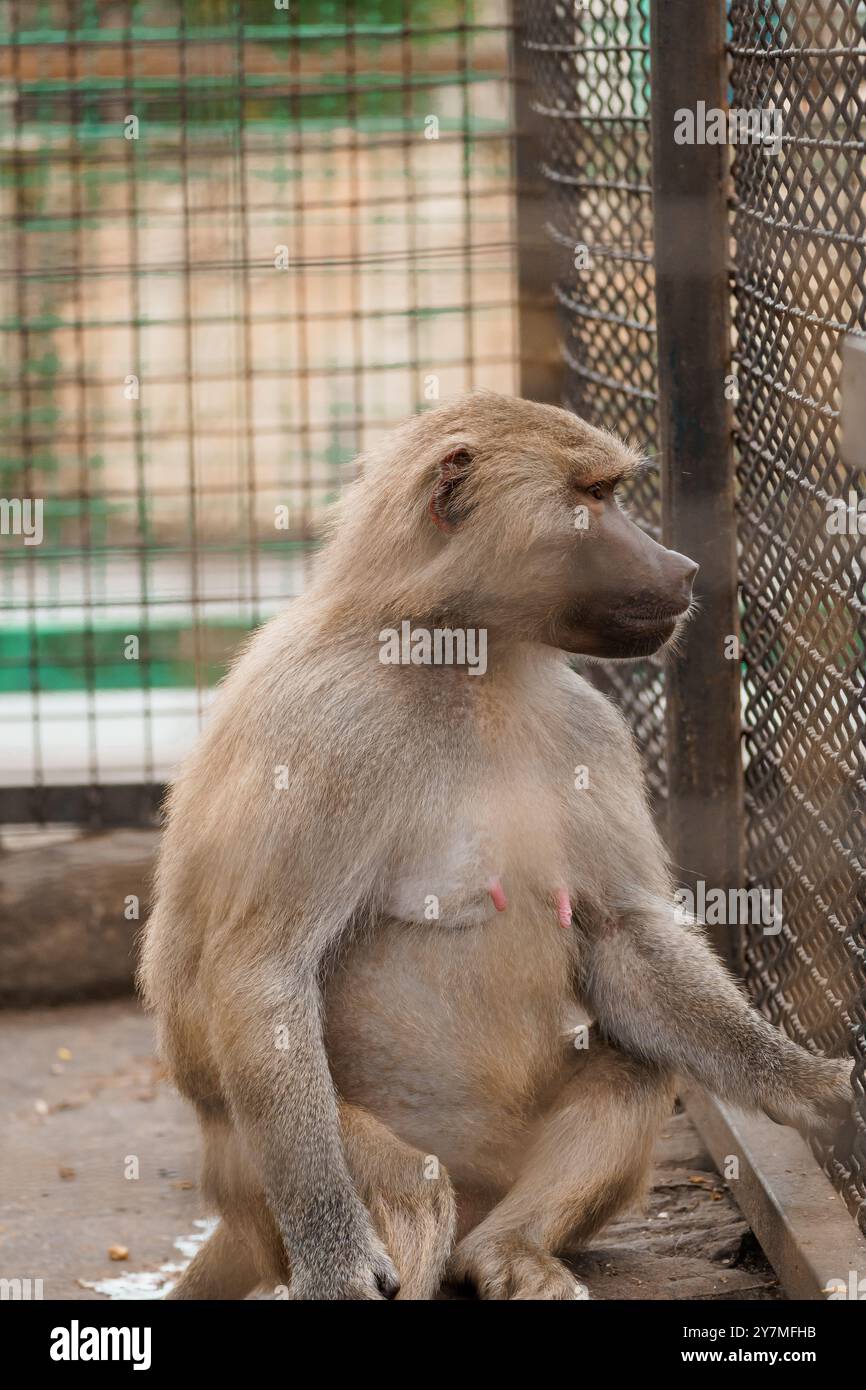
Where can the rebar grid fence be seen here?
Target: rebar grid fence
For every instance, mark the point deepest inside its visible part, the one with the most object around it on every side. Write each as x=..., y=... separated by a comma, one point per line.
x=798, y=273
x=238, y=241
x=799, y=223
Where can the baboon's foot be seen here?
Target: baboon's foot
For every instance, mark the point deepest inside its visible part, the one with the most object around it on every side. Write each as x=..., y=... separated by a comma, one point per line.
x=413, y=1212
x=511, y=1267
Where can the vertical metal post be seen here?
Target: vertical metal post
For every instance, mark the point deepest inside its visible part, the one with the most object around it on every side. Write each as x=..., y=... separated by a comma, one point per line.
x=539, y=356
x=705, y=816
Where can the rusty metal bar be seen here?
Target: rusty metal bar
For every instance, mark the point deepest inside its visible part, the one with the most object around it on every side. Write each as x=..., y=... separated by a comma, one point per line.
x=540, y=361
x=705, y=803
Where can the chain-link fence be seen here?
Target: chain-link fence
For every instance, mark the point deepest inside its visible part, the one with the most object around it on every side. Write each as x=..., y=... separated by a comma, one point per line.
x=799, y=223
x=238, y=241
x=590, y=72
x=798, y=282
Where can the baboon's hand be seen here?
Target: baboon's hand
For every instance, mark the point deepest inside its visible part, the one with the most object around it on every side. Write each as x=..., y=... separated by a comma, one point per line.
x=815, y=1096
x=362, y=1269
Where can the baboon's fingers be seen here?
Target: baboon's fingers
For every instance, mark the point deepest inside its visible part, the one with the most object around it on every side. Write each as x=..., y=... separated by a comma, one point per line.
x=822, y=1105
x=369, y=1279
x=507, y=1267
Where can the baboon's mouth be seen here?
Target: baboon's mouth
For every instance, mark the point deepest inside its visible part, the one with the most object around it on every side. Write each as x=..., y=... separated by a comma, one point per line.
x=656, y=620
x=627, y=634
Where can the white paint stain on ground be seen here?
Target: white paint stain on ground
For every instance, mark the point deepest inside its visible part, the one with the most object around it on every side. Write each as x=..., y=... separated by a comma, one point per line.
x=157, y=1282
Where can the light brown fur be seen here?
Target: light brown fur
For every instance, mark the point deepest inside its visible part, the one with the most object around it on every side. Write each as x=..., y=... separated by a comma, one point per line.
x=426, y=1086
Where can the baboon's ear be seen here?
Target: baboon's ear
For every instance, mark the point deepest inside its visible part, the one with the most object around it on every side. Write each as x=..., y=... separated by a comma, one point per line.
x=448, y=505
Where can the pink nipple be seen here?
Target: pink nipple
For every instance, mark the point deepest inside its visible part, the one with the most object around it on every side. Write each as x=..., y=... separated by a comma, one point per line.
x=563, y=907
x=495, y=889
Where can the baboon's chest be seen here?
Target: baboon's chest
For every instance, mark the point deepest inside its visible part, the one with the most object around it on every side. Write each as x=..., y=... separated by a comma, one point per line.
x=505, y=841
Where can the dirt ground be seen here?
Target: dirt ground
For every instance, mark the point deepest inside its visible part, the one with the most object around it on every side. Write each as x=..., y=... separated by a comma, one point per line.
x=83, y=1105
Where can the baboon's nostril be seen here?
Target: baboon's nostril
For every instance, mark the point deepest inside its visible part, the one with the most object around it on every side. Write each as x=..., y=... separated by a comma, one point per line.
x=682, y=573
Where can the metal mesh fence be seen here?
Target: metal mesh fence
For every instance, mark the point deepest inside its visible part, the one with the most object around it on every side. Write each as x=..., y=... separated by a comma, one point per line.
x=799, y=217
x=591, y=93
x=800, y=234
x=237, y=242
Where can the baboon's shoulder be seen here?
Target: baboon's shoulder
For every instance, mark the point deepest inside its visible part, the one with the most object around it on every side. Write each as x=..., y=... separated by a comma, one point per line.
x=595, y=711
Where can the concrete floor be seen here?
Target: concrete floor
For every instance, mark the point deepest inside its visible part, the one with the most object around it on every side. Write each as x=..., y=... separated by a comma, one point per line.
x=82, y=1102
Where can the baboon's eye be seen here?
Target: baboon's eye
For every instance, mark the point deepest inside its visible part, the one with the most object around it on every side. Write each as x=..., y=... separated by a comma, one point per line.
x=596, y=490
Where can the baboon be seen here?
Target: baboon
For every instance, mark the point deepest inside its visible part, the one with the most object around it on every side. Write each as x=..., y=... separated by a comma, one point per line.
x=388, y=892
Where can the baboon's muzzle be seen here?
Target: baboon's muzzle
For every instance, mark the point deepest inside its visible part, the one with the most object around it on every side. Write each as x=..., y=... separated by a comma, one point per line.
x=635, y=590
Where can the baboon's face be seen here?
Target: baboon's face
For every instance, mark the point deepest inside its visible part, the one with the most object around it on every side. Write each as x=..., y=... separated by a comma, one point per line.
x=538, y=529
x=627, y=595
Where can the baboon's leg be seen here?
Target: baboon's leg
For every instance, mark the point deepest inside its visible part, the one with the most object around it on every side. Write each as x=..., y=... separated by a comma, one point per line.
x=413, y=1212
x=409, y=1197
x=589, y=1157
x=222, y=1269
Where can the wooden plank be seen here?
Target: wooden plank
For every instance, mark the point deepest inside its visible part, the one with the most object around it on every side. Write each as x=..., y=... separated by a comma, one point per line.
x=802, y=1223
x=67, y=929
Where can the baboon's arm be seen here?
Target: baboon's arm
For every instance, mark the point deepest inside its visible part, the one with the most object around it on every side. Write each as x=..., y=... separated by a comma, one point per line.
x=658, y=990
x=276, y=1076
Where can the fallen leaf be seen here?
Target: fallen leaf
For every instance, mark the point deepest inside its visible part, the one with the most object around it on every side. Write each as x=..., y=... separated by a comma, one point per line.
x=63, y=1054
x=118, y=1252
x=74, y=1102
x=67, y=1174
